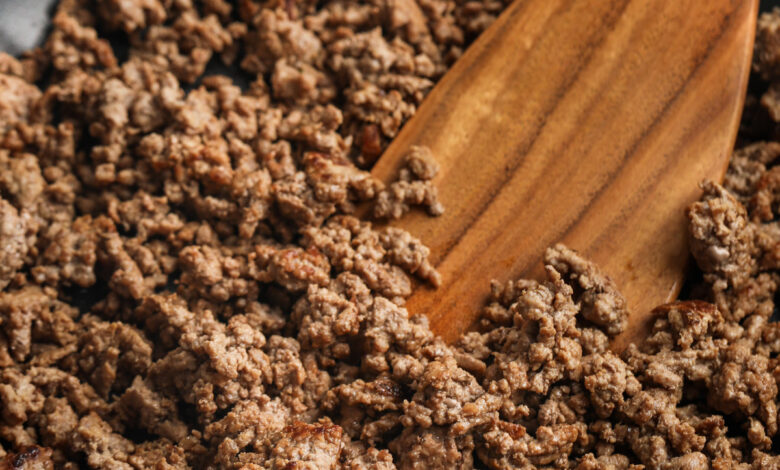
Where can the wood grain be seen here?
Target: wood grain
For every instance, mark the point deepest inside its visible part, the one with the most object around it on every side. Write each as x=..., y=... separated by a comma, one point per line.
x=581, y=121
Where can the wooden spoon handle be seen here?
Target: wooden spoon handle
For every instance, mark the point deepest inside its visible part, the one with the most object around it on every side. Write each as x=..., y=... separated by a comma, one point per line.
x=581, y=121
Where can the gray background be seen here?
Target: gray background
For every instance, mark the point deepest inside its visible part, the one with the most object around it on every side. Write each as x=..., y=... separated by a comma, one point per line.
x=23, y=24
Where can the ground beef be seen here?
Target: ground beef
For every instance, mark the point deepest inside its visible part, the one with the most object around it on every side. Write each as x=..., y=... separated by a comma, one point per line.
x=13, y=234
x=184, y=283
x=413, y=187
x=29, y=458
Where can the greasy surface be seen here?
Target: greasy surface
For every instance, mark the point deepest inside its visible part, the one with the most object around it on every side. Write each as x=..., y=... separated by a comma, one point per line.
x=183, y=285
x=588, y=123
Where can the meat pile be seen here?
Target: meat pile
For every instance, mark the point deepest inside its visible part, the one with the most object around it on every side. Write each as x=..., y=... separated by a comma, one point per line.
x=183, y=283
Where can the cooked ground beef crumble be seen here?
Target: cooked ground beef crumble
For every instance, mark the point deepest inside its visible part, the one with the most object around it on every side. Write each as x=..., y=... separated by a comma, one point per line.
x=184, y=284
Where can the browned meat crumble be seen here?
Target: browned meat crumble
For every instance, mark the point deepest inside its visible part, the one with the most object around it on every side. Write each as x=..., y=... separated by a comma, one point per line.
x=413, y=187
x=183, y=284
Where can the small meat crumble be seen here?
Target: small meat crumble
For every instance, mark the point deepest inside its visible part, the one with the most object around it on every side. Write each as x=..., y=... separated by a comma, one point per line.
x=183, y=284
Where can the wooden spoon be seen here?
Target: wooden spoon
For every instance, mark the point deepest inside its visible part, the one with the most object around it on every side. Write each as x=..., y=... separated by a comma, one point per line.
x=578, y=121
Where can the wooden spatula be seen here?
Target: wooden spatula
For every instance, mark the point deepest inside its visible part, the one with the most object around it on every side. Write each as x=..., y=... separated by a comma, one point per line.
x=587, y=122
